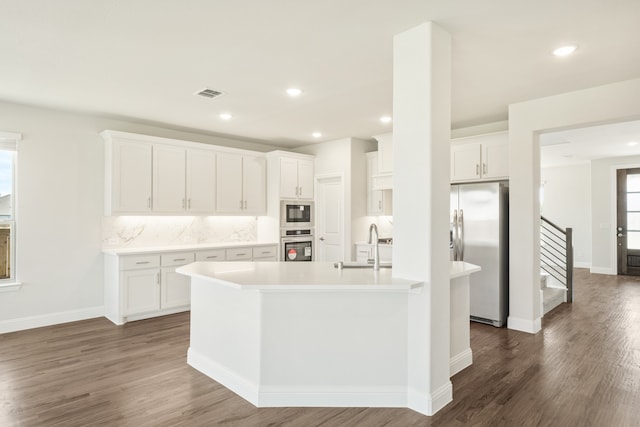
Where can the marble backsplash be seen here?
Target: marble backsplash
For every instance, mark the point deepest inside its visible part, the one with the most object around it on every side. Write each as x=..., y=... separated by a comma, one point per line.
x=151, y=231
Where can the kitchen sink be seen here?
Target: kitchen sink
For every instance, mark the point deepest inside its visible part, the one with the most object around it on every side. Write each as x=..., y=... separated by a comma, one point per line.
x=340, y=265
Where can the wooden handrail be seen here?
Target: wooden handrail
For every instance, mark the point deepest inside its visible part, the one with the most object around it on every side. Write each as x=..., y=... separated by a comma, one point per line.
x=557, y=227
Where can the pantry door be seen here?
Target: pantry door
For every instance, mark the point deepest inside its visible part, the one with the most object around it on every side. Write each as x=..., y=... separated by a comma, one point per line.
x=628, y=227
x=329, y=219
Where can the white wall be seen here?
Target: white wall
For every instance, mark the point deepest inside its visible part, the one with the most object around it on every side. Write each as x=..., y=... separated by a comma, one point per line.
x=567, y=203
x=59, y=211
x=602, y=104
x=603, y=212
x=345, y=157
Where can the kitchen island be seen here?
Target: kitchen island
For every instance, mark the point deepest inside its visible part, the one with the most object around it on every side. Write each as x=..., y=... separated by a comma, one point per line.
x=301, y=334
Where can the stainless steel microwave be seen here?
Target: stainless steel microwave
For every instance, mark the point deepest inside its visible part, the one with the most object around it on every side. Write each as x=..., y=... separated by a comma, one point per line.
x=296, y=213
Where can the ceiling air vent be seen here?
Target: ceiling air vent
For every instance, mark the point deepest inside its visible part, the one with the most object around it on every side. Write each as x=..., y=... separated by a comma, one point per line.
x=209, y=93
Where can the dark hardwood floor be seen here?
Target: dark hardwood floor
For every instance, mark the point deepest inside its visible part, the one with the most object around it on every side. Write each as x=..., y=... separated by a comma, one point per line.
x=582, y=369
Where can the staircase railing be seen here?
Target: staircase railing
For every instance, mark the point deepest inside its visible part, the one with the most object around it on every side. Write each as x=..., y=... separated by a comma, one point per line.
x=556, y=253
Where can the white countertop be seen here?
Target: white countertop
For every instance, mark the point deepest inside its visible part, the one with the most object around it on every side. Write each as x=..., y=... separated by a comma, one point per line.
x=461, y=268
x=308, y=276
x=184, y=248
x=297, y=276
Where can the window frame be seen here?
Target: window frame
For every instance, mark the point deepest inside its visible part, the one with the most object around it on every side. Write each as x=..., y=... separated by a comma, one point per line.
x=9, y=142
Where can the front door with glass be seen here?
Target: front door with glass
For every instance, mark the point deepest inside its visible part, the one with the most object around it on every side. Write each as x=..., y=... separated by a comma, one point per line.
x=628, y=227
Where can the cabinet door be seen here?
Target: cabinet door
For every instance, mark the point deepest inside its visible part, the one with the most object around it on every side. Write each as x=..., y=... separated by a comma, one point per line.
x=254, y=184
x=201, y=181
x=169, y=172
x=288, y=178
x=465, y=162
x=229, y=183
x=175, y=290
x=141, y=289
x=305, y=179
x=495, y=158
x=374, y=197
x=385, y=152
x=131, y=177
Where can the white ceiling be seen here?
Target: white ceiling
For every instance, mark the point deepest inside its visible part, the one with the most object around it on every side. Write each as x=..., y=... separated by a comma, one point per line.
x=144, y=59
x=575, y=146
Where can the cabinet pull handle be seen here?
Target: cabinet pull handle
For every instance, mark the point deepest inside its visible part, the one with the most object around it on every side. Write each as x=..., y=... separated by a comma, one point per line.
x=189, y=203
x=149, y=202
x=379, y=204
x=142, y=262
x=241, y=254
x=179, y=259
x=477, y=169
x=183, y=204
x=245, y=204
x=158, y=278
x=484, y=168
x=212, y=257
x=241, y=204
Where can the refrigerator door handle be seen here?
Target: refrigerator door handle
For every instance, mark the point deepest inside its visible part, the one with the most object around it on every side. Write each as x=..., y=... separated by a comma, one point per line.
x=461, y=236
x=455, y=235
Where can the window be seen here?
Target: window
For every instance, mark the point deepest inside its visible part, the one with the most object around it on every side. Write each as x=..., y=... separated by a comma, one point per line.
x=8, y=145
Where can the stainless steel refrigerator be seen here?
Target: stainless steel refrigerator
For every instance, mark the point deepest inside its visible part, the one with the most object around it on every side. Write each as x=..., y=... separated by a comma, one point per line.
x=480, y=235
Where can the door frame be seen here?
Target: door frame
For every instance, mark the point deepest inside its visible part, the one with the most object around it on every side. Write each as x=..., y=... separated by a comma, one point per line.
x=346, y=225
x=615, y=261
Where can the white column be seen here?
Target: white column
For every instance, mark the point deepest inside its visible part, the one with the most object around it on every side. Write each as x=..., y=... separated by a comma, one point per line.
x=421, y=133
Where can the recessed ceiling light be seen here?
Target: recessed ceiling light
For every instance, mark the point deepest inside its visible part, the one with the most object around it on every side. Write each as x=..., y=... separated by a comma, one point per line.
x=316, y=134
x=632, y=143
x=385, y=119
x=565, y=50
x=225, y=116
x=293, y=92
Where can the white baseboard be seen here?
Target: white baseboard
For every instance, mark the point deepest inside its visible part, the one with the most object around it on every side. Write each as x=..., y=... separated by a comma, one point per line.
x=524, y=325
x=582, y=264
x=460, y=361
x=231, y=380
x=30, y=322
x=603, y=270
x=295, y=396
x=430, y=404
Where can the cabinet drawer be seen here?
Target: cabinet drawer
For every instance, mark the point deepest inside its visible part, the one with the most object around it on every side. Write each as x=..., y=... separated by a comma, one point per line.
x=139, y=261
x=237, y=254
x=211, y=255
x=176, y=258
x=264, y=252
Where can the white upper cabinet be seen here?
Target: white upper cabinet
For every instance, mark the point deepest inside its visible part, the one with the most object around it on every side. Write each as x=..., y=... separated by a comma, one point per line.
x=480, y=158
x=201, y=181
x=254, y=184
x=128, y=177
x=241, y=184
x=148, y=175
x=378, y=201
x=296, y=178
x=169, y=179
x=383, y=179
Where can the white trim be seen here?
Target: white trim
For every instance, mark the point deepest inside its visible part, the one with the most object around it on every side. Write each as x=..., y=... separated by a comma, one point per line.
x=603, y=270
x=351, y=397
x=231, y=380
x=429, y=404
x=525, y=325
x=30, y=322
x=10, y=286
x=460, y=361
x=582, y=265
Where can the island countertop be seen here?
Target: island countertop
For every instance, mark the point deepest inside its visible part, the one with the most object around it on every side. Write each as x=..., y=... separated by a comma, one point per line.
x=297, y=276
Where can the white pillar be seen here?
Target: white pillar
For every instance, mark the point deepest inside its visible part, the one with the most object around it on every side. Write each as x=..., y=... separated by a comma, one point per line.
x=421, y=133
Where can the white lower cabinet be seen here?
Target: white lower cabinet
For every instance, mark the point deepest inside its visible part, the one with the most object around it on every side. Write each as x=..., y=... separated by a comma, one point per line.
x=146, y=285
x=141, y=290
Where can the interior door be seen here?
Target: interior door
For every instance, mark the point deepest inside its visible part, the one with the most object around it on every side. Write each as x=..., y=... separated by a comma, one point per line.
x=329, y=223
x=628, y=229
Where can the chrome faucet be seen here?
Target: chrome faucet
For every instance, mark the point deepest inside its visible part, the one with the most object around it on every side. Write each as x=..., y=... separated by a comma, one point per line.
x=376, y=254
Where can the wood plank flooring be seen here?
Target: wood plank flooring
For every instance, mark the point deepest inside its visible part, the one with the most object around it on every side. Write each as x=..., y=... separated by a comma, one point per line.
x=583, y=369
